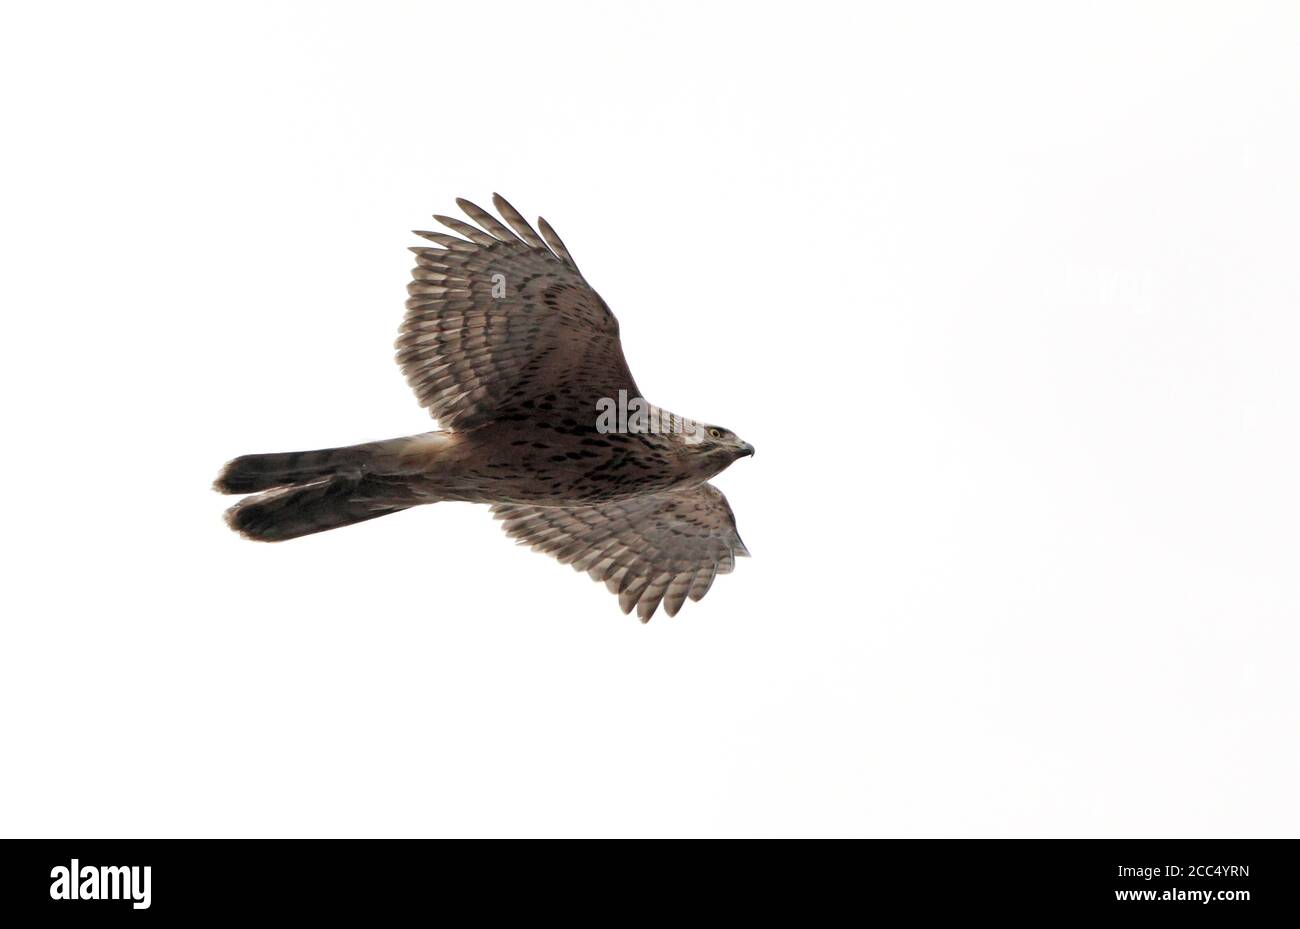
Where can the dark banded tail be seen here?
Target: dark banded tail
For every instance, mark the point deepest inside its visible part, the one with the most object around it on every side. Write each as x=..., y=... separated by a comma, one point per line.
x=251, y=473
x=292, y=512
x=299, y=493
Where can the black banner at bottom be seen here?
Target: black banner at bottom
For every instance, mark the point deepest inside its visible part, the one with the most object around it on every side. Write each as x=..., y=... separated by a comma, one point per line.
x=143, y=880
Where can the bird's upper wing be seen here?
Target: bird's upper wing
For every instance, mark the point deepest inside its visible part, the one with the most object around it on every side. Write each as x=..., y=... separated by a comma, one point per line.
x=502, y=320
x=666, y=546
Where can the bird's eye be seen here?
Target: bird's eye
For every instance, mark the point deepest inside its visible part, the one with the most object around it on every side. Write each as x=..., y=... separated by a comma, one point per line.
x=715, y=433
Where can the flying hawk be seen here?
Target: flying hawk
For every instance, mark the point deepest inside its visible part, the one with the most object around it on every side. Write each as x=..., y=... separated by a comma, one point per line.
x=519, y=359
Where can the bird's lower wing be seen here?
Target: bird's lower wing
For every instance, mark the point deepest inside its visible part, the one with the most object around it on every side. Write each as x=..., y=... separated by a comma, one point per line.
x=661, y=547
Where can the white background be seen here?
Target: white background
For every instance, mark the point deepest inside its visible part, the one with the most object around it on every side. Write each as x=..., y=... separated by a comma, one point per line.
x=1007, y=299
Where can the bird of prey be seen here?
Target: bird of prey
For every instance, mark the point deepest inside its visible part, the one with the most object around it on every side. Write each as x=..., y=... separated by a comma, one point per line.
x=519, y=360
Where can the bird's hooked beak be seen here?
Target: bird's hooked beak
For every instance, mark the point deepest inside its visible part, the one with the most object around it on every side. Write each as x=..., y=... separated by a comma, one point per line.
x=746, y=450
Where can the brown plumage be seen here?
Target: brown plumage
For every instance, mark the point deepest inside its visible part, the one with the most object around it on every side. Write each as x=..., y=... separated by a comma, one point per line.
x=506, y=344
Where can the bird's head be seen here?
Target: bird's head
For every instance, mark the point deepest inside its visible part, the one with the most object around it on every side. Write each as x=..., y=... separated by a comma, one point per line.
x=712, y=448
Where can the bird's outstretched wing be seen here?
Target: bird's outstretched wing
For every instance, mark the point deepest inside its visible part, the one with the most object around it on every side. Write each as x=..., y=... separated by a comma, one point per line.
x=666, y=546
x=500, y=320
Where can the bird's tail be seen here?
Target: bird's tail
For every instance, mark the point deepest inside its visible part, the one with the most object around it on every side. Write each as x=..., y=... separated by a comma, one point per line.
x=307, y=492
x=250, y=473
x=291, y=512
